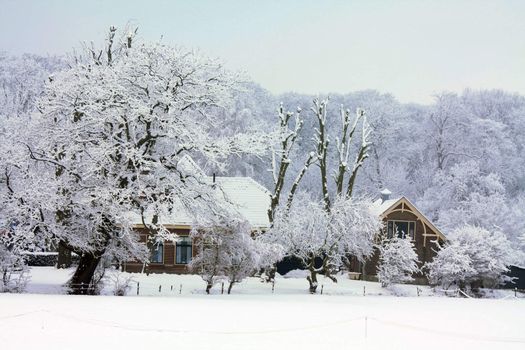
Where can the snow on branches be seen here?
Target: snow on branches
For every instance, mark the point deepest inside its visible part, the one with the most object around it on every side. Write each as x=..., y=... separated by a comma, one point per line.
x=398, y=261
x=228, y=252
x=472, y=256
x=323, y=240
x=109, y=140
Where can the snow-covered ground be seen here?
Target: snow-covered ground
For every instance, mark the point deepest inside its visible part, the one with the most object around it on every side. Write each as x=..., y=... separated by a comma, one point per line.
x=254, y=318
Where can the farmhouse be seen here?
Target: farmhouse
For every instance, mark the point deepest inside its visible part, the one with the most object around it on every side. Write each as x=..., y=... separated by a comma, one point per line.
x=402, y=218
x=244, y=194
x=252, y=200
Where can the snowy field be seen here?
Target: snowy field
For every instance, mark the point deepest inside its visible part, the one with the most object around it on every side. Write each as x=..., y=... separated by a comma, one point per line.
x=254, y=317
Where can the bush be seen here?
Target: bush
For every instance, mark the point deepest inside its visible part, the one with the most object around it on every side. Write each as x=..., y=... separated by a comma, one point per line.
x=41, y=258
x=472, y=257
x=398, y=261
x=120, y=282
x=13, y=272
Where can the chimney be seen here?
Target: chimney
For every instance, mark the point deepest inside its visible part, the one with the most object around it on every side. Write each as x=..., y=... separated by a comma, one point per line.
x=385, y=195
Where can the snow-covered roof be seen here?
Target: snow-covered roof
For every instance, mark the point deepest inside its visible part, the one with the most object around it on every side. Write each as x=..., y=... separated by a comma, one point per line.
x=380, y=206
x=251, y=199
x=243, y=194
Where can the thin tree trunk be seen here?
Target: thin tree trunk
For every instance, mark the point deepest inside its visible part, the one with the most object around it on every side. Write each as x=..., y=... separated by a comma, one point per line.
x=312, y=279
x=230, y=287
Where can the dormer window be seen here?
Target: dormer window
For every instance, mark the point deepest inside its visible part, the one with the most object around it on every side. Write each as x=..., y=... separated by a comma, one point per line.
x=401, y=229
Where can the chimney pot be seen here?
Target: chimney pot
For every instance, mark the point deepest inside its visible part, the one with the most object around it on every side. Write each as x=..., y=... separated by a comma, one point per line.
x=385, y=195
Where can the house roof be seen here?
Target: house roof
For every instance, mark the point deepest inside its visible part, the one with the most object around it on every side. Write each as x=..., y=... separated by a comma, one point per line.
x=383, y=207
x=380, y=206
x=250, y=199
x=243, y=194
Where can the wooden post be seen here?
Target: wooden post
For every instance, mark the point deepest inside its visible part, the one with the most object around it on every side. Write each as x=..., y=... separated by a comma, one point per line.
x=172, y=287
x=160, y=287
x=222, y=288
x=273, y=286
x=515, y=292
x=180, y=289
x=322, y=287
x=364, y=290
x=138, y=287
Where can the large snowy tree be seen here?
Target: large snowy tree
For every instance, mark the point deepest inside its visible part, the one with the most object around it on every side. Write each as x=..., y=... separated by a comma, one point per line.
x=107, y=146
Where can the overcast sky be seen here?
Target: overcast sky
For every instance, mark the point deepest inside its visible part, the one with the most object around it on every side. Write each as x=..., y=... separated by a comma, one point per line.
x=411, y=49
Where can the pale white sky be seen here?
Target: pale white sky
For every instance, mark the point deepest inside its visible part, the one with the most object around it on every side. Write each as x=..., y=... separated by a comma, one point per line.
x=411, y=49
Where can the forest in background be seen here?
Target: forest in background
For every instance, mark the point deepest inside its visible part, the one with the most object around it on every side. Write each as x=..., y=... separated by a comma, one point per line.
x=459, y=159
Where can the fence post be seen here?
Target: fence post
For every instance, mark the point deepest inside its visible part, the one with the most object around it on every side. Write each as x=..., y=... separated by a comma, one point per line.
x=172, y=287
x=160, y=287
x=180, y=289
x=138, y=287
x=322, y=287
x=222, y=288
x=364, y=290
x=273, y=286
x=515, y=292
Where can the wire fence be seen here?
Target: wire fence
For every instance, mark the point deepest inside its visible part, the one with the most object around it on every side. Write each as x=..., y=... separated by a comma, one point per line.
x=367, y=326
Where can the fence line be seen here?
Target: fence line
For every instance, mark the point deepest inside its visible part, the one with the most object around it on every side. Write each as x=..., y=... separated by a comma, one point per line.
x=367, y=327
x=452, y=333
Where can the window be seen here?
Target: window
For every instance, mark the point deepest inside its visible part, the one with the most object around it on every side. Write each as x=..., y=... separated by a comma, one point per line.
x=401, y=228
x=183, y=251
x=157, y=253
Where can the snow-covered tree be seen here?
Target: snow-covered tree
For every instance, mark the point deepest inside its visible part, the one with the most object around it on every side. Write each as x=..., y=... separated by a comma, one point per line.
x=107, y=146
x=472, y=255
x=287, y=134
x=466, y=195
x=228, y=252
x=398, y=261
x=22, y=80
x=322, y=240
x=13, y=270
x=343, y=146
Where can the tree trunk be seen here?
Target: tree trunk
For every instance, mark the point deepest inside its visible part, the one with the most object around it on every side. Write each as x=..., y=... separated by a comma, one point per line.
x=230, y=287
x=64, y=256
x=82, y=280
x=208, y=287
x=270, y=273
x=312, y=279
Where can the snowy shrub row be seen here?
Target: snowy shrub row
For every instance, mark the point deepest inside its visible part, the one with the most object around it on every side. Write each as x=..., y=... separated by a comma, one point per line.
x=471, y=258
